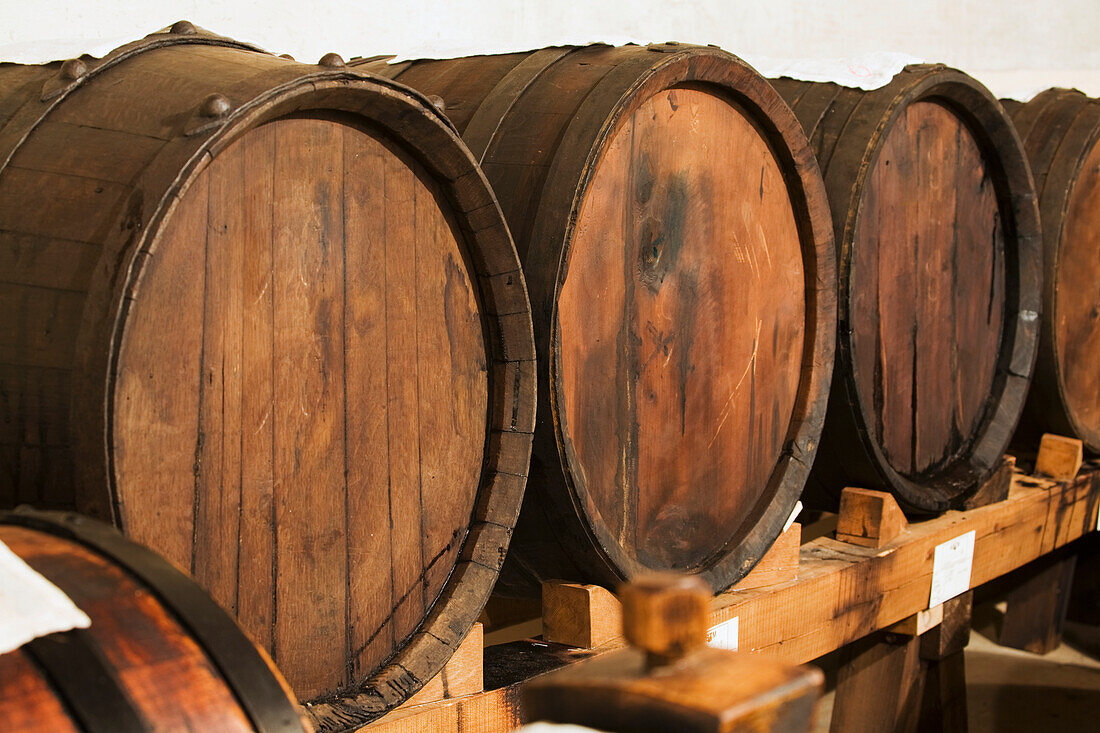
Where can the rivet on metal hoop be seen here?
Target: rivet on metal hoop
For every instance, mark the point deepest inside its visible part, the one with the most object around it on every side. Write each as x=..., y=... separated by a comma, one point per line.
x=286, y=56
x=73, y=69
x=437, y=102
x=183, y=28
x=331, y=60
x=216, y=105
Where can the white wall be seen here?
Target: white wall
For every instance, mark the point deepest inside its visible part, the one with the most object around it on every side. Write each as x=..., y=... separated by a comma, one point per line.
x=1014, y=46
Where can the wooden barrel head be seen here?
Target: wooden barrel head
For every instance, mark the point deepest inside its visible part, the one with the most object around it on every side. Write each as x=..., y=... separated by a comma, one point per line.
x=1076, y=306
x=303, y=394
x=928, y=290
x=939, y=284
x=680, y=328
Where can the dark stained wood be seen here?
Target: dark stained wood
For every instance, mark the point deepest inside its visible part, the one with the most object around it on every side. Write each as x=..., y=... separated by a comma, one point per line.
x=674, y=235
x=289, y=348
x=939, y=284
x=1036, y=604
x=1061, y=131
x=165, y=673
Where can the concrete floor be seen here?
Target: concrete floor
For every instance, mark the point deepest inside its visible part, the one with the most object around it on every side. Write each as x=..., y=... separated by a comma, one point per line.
x=1013, y=691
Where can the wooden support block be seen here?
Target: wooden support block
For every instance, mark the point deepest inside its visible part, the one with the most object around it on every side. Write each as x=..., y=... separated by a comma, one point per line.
x=996, y=487
x=671, y=681
x=952, y=634
x=879, y=685
x=462, y=675
x=943, y=704
x=919, y=622
x=1060, y=458
x=779, y=564
x=869, y=518
x=1035, y=612
x=578, y=615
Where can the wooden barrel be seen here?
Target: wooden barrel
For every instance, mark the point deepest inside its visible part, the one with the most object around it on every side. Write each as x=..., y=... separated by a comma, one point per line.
x=1060, y=129
x=159, y=653
x=267, y=316
x=939, y=283
x=675, y=236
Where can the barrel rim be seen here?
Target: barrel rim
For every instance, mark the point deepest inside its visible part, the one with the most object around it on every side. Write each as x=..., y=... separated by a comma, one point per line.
x=1003, y=152
x=1057, y=411
x=637, y=78
x=417, y=135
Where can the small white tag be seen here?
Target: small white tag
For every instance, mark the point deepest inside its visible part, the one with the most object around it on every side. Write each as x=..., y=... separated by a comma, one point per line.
x=951, y=568
x=794, y=516
x=724, y=635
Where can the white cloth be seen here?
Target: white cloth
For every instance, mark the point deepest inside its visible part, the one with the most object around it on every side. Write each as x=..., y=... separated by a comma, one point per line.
x=30, y=605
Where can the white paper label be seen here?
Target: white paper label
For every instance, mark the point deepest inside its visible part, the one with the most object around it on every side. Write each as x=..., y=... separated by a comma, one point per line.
x=30, y=605
x=724, y=635
x=951, y=568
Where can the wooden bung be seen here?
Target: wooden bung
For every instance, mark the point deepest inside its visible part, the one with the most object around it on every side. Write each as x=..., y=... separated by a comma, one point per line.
x=159, y=653
x=267, y=318
x=939, y=284
x=1060, y=129
x=675, y=237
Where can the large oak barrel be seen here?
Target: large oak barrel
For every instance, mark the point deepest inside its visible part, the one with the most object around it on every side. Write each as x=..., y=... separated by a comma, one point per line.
x=159, y=653
x=1061, y=130
x=675, y=237
x=939, y=283
x=267, y=316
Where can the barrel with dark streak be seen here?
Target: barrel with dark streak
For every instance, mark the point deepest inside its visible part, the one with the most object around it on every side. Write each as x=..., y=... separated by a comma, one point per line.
x=939, y=274
x=675, y=237
x=159, y=654
x=1060, y=129
x=267, y=317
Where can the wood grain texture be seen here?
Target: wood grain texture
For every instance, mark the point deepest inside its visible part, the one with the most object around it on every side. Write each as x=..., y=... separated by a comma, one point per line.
x=1061, y=133
x=289, y=347
x=940, y=282
x=928, y=273
x=697, y=311
x=676, y=245
x=163, y=670
x=843, y=593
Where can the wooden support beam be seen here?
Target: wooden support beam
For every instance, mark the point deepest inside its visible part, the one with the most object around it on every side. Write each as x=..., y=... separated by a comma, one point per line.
x=907, y=682
x=843, y=592
x=1035, y=613
x=869, y=518
x=879, y=685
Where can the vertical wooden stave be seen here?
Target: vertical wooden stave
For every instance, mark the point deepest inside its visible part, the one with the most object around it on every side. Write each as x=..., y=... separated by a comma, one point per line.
x=845, y=175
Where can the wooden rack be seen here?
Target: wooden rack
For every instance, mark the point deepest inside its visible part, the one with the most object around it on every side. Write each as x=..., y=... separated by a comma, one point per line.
x=820, y=588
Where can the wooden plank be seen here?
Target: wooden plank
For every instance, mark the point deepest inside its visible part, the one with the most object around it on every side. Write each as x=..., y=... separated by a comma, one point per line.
x=843, y=592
